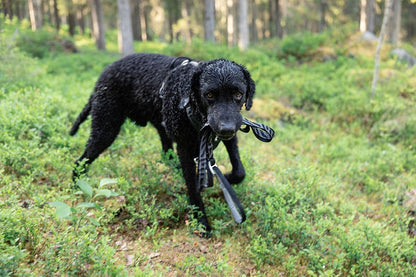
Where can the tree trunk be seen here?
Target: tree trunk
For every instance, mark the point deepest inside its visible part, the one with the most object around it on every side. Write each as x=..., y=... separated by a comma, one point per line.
x=71, y=17
x=393, y=29
x=323, y=5
x=387, y=12
x=97, y=24
x=35, y=14
x=7, y=9
x=125, y=38
x=81, y=18
x=367, y=16
x=243, y=40
x=186, y=14
x=363, y=16
x=56, y=15
x=253, y=26
x=146, y=19
x=370, y=16
x=209, y=19
x=277, y=19
x=230, y=23
x=136, y=20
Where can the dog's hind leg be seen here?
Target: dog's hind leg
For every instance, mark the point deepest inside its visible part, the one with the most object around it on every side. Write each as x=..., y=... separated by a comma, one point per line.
x=104, y=130
x=164, y=138
x=237, y=173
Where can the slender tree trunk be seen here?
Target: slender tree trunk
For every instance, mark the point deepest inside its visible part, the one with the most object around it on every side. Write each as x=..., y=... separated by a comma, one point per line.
x=20, y=10
x=146, y=18
x=253, y=27
x=97, y=23
x=186, y=14
x=386, y=16
x=81, y=19
x=209, y=20
x=367, y=16
x=125, y=41
x=56, y=15
x=278, y=19
x=363, y=16
x=230, y=23
x=370, y=16
x=8, y=11
x=71, y=17
x=136, y=20
x=323, y=5
x=393, y=28
x=243, y=40
x=47, y=10
x=35, y=14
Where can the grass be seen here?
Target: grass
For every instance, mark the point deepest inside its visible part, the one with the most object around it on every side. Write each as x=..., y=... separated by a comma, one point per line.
x=332, y=194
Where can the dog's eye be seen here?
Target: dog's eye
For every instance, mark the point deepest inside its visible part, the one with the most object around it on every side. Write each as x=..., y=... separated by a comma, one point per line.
x=238, y=96
x=209, y=95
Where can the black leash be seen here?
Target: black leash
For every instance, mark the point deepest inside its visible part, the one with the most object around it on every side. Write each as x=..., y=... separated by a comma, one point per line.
x=261, y=131
x=206, y=160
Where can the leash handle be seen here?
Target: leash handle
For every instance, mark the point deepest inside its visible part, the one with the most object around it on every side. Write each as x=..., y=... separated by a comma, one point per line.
x=237, y=210
x=261, y=131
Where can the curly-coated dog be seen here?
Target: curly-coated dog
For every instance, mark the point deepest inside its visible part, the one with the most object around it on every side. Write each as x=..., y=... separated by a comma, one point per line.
x=177, y=96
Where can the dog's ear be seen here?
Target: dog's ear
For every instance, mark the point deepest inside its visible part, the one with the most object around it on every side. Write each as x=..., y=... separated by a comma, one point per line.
x=251, y=88
x=195, y=80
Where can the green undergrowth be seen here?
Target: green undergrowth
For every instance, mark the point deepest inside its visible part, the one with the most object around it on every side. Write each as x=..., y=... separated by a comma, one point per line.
x=333, y=194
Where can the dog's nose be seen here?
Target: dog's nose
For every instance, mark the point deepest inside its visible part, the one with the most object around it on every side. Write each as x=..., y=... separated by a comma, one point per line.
x=226, y=129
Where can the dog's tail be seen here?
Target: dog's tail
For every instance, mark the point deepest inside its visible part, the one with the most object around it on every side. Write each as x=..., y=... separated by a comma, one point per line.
x=81, y=118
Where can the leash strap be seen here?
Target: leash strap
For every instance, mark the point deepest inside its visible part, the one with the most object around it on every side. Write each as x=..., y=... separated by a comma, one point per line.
x=261, y=131
x=230, y=196
x=206, y=150
x=205, y=161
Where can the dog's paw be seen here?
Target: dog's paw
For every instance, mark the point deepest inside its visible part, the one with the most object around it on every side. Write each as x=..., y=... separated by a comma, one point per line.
x=235, y=177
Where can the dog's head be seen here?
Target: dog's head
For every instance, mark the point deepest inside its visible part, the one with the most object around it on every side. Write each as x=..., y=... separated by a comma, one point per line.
x=222, y=87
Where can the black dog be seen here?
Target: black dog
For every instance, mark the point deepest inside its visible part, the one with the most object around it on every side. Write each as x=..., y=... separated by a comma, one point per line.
x=178, y=96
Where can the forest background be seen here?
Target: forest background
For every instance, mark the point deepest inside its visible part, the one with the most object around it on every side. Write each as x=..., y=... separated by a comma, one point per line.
x=334, y=194
x=230, y=22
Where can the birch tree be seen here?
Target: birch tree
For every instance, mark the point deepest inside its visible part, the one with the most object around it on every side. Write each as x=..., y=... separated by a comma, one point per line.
x=125, y=34
x=243, y=38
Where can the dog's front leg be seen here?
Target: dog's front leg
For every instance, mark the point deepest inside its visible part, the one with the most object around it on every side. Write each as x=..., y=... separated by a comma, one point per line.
x=187, y=153
x=237, y=173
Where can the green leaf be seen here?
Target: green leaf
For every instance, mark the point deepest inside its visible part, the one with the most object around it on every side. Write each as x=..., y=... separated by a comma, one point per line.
x=85, y=187
x=107, y=181
x=106, y=192
x=63, y=210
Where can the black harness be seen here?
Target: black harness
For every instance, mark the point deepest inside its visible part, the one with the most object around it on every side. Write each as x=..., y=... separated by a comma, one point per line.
x=208, y=142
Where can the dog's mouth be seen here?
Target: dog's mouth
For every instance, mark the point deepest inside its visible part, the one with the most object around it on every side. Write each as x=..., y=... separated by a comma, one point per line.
x=225, y=133
x=225, y=125
x=225, y=136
